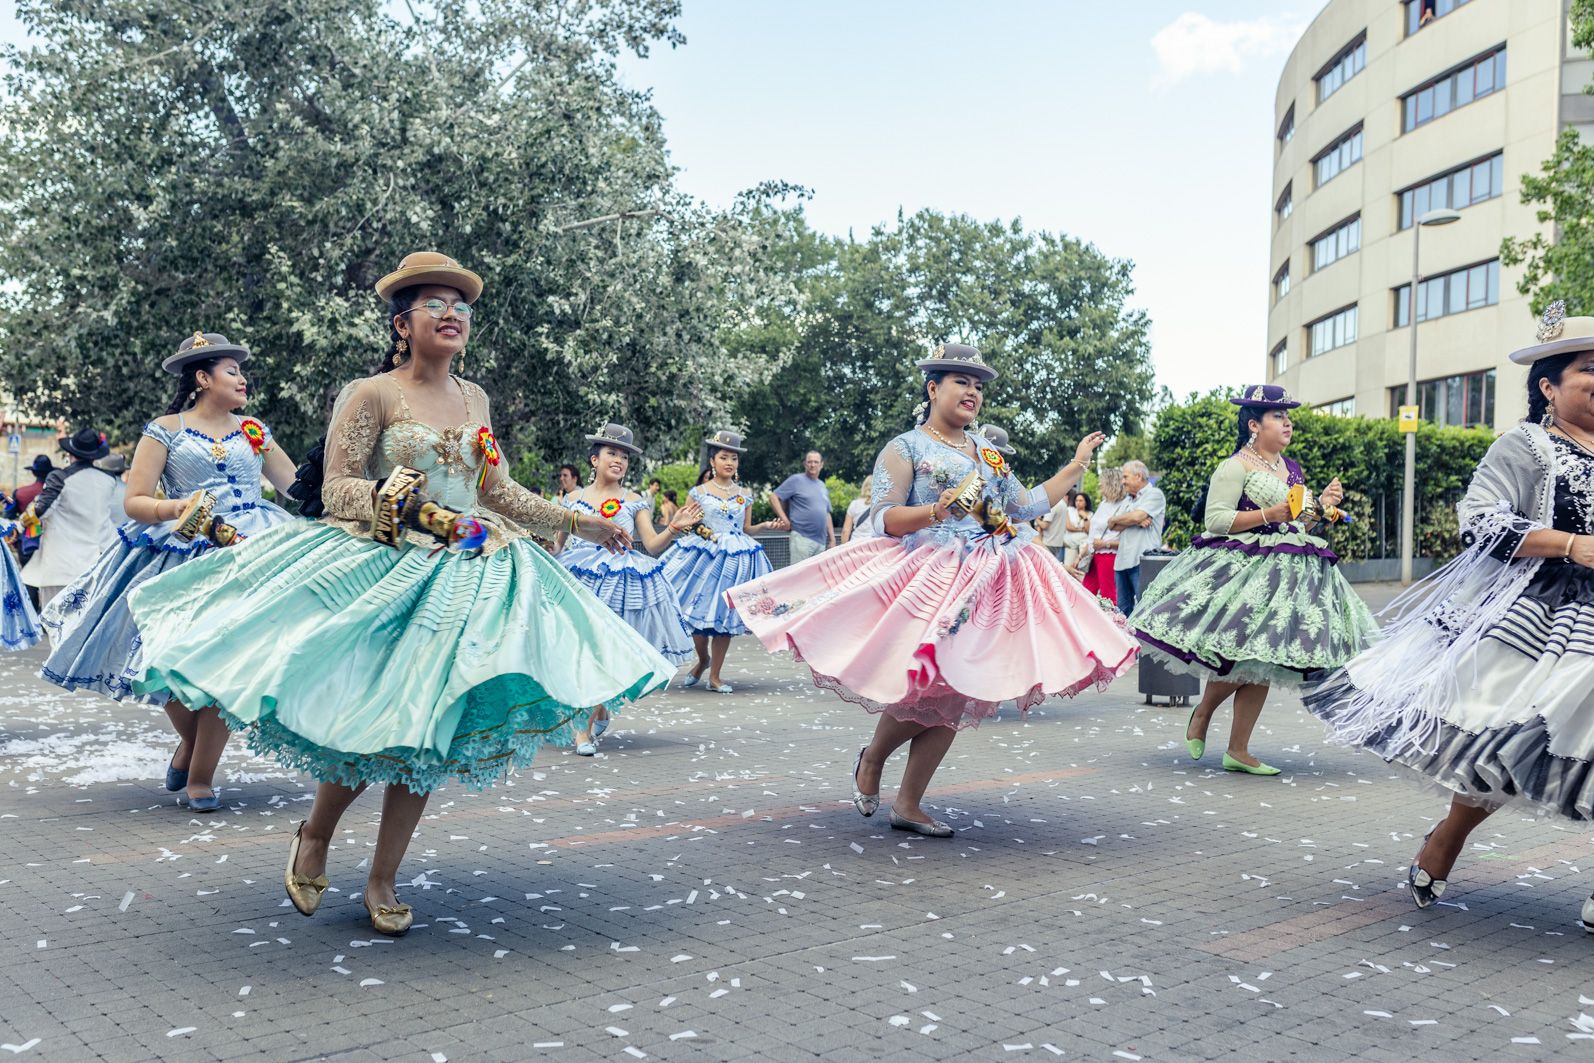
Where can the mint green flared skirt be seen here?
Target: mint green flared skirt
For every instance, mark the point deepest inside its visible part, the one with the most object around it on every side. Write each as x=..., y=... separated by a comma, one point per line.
x=357, y=663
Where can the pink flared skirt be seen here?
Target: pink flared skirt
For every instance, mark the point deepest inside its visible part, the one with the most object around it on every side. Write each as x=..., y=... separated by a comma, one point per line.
x=940, y=634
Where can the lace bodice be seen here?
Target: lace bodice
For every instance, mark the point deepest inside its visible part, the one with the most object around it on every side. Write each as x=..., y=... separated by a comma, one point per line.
x=373, y=430
x=227, y=467
x=914, y=469
x=1574, y=488
x=724, y=516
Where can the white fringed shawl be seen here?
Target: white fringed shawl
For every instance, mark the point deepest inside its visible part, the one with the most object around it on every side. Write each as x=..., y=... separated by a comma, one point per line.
x=1399, y=688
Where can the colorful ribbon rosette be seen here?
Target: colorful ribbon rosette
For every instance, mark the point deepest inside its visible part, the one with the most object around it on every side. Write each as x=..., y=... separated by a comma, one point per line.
x=993, y=458
x=255, y=432
x=490, y=454
x=610, y=508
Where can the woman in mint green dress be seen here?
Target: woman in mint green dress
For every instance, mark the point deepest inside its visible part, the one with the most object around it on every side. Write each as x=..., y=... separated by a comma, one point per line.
x=1256, y=601
x=357, y=649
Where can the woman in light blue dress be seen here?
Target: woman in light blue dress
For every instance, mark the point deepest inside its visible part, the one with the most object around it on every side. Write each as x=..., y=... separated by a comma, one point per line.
x=415, y=634
x=19, y=624
x=201, y=444
x=722, y=555
x=630, y=583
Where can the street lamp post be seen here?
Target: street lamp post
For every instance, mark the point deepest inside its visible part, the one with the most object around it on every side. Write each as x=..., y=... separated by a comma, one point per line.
x=1408, y=501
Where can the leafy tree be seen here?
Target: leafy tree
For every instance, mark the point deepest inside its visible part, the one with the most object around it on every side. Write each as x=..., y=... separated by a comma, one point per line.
x=1047, y=310
x=252, y=166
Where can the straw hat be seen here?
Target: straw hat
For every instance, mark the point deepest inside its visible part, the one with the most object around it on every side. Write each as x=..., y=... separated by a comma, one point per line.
x=430, y=267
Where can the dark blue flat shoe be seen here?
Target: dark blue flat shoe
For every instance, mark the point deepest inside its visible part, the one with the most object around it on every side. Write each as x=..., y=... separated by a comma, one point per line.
x=176, y=778
x=205, y=804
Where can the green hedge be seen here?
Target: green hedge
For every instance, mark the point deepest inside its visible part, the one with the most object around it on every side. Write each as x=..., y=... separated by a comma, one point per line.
x=1367, y=455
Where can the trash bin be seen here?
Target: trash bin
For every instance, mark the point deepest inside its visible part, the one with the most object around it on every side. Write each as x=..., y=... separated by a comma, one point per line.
x=1155, y=680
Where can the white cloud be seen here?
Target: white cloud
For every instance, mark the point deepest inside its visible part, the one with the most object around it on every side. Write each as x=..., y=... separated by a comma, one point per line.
x=1194, y=44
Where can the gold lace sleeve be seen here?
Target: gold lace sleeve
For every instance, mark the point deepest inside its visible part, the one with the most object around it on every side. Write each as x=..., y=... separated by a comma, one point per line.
x=501, y=494
x=347, y=488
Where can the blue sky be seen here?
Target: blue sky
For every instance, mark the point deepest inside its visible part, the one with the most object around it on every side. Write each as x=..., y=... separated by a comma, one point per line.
x=1144, y=127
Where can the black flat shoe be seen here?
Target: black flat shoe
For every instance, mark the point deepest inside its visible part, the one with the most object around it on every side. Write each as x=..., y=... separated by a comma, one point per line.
x=1425, y=889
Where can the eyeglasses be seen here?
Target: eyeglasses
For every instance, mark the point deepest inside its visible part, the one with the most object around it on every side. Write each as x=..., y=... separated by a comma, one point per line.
x=437, y=308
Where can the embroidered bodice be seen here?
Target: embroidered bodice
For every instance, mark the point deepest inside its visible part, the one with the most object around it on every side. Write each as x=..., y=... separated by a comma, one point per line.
x=724, y=516
x=1574, y=487
x=1237, y=488
x=373, y=430
x=227, y=467
x=624, y=517
x=914, y=469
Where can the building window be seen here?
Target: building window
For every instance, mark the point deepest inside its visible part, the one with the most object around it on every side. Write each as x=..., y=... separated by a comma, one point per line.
x=1339, y=408
x=1287, y=127
x=1336, y=330
x=1455, y=190
x=1478, y=78
x=1278, y=359
x=1421, y=12
x=1281, y=283
x=1450, y=293
x=1344, y=66
x=1465, y=401
x=1344, y=239
x=1339, y=157
x=1286, y=203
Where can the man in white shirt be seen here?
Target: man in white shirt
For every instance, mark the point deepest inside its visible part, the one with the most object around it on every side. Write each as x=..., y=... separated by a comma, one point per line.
x=1138, y=522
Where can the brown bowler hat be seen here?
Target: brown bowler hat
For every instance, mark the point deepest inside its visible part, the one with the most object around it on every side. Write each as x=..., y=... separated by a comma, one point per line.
x=430, y=267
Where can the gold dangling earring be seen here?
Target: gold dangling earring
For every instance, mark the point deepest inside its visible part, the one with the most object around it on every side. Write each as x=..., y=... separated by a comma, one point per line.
x=401, y=348
x=1548, y=420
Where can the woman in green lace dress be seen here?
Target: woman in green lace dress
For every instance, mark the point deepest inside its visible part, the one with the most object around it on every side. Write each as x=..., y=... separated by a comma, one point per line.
x=357, y=649
x=1256, y=600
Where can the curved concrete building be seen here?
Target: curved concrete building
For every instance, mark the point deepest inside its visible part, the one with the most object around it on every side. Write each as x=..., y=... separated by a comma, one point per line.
x=1385, y=110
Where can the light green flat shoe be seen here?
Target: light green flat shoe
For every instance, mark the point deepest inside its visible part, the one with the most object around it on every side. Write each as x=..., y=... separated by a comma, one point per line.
x=1230, y=764
x=1196, y=746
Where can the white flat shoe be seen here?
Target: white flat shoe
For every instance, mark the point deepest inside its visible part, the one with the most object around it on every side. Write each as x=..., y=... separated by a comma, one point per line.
x=723, y=688
x=599, y=727
x=866, y=804
x=1588, y=915
x=691, y=681
x=586, y=749
x=933, y=829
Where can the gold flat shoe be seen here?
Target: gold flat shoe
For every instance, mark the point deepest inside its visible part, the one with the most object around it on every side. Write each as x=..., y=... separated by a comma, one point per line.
x=394, y=921
x=305, y=893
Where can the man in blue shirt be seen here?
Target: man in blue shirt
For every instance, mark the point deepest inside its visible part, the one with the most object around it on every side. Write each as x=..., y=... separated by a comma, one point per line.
x=804, y=501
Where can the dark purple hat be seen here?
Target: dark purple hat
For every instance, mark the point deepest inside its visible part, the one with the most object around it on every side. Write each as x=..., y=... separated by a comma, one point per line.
x=1265, y=397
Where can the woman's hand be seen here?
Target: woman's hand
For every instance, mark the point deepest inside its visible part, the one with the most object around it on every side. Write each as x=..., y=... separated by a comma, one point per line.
x=776, y=525
x=1332, y=495
x=1277, y=514
x=1087, y=447
x=1583, y=550
x=941, y=509
x=686, y=517
x=605, y=533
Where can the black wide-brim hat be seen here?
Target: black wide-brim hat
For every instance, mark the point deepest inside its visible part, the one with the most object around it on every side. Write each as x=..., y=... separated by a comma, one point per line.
x=202, y=346
x=1265, y=397
x=618, y=436
x=42, y=465
x=86, y=443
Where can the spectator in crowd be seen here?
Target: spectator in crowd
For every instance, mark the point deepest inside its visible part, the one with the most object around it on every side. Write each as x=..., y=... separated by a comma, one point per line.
x=1102, y=549
x=1066, y=529
x=1138, y=523
x=668, y=504
x=804, y=501
x=41, y=468
x=857, y=525
x=569, y=481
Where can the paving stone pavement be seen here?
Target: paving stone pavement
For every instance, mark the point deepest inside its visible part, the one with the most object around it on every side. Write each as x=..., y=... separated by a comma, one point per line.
x=703, y=890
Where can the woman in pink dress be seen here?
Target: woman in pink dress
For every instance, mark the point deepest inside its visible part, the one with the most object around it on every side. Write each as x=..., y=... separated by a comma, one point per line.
x=944, y=614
